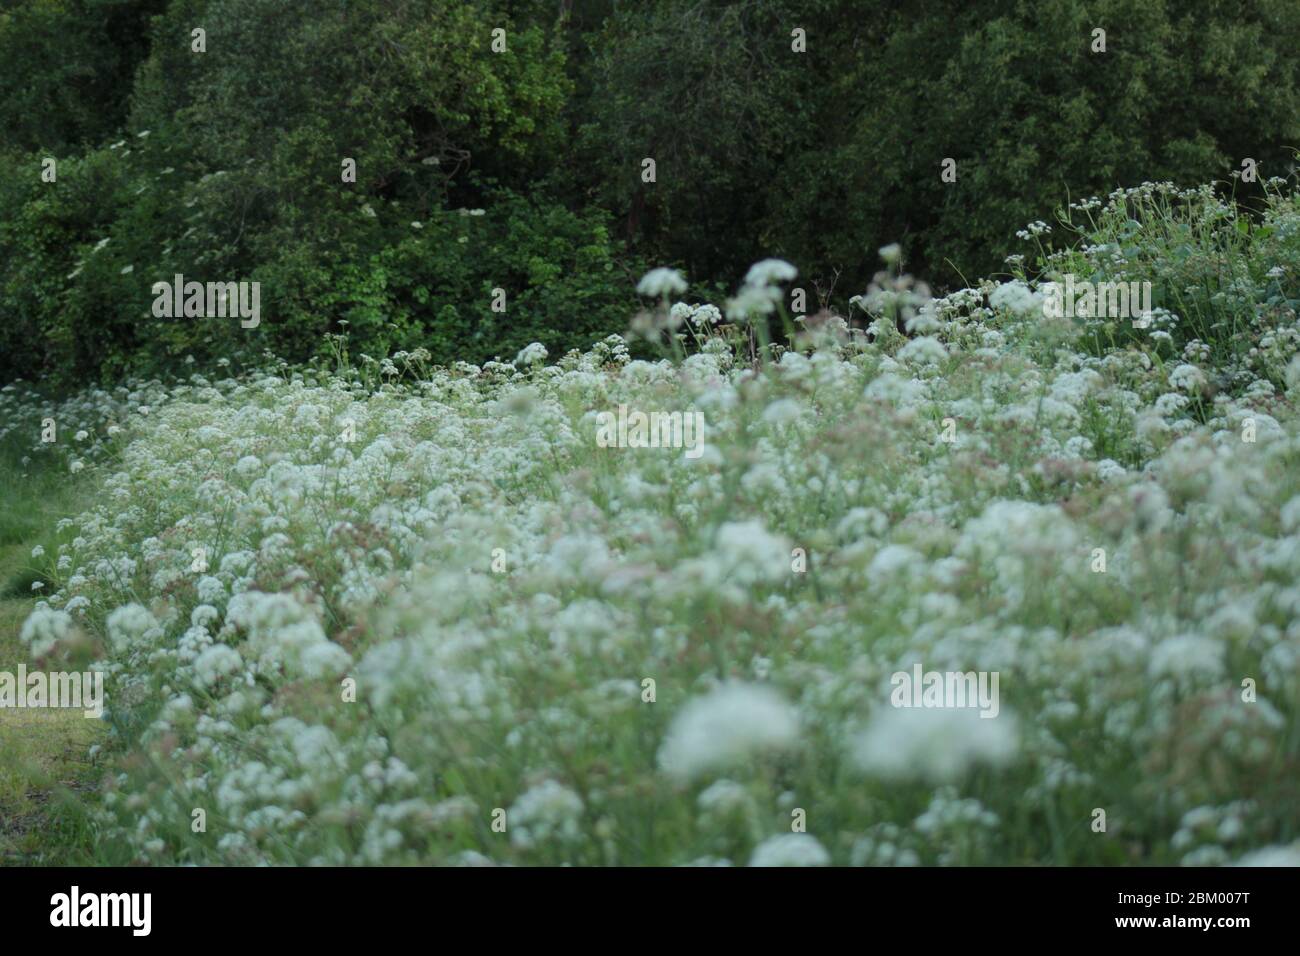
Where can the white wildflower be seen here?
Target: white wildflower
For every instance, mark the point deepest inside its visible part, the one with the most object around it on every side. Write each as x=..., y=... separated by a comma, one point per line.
x=790, y=849
x=933, y=744
x=730, y=723
x=661, y=282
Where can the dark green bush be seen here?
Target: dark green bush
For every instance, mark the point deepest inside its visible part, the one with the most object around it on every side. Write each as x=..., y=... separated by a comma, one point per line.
x=564, y=286
x=67, y=69
x=1013, y=93
x=225, y=165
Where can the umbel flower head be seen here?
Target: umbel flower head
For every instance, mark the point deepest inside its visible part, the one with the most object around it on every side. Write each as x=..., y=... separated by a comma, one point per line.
x=760, y=292
x=790, y=849
x=730, y=723
x=661, y=283
x=768, y=272
x=937, y=745
x=531, y=354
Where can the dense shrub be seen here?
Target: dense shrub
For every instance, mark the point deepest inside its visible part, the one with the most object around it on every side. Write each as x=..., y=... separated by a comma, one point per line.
x=1029, y=114
x=68, y=66
x=714, y=95
x=226, y=165
x=78, y=281
x=232, y=170
x=48, y=236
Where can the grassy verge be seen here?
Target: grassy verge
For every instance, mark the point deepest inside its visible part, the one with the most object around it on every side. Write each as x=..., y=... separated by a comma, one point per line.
x=43, y=753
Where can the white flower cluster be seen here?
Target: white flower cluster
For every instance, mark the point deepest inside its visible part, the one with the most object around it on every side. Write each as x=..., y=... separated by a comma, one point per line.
x=354, y=620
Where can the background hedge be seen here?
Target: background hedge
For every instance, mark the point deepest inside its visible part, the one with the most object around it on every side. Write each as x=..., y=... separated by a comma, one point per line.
x=225, y=165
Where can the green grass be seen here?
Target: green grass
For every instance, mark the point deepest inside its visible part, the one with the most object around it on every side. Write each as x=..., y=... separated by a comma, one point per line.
x=43, y=753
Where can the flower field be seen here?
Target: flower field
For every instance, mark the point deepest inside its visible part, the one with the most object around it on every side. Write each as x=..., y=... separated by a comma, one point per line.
x=388, y=613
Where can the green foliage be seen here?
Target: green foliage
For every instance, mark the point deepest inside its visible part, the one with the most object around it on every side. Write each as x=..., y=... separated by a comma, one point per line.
x=45, y=286
x=714, y=95
x=68, y=66
x=1225, y=284
x=226, y=165
x=563, y=286
x=1031, y=114
x=232, y=170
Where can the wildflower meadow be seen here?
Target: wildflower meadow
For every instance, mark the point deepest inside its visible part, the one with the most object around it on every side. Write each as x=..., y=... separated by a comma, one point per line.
x=939, y=579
